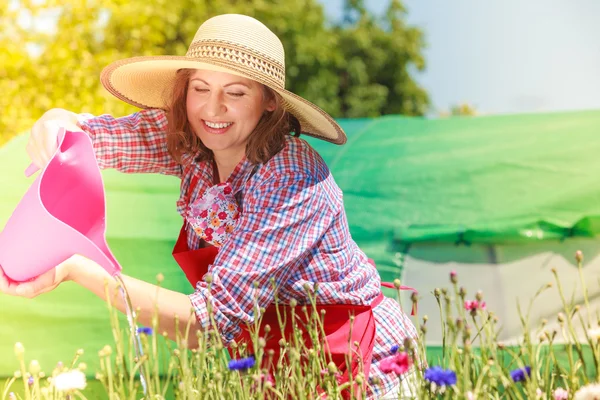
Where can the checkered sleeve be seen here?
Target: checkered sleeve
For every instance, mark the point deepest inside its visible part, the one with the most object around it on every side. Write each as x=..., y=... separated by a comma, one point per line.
x=134, y=143
x=283, y=220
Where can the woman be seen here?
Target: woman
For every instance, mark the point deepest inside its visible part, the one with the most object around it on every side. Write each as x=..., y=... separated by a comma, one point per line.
x=257, y=202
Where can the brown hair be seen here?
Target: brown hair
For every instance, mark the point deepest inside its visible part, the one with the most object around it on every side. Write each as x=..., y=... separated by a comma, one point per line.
x=266, y=140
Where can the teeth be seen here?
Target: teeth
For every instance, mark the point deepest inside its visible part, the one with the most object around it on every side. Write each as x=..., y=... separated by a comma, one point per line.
x=218, y=125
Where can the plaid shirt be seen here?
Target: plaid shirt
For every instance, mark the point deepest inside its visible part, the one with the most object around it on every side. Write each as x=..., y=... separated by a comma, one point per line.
x=293, y=228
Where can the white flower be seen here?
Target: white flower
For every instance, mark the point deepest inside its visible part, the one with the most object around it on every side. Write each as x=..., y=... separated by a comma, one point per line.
x=470, y=396
x=70, y=380
x=589, y=392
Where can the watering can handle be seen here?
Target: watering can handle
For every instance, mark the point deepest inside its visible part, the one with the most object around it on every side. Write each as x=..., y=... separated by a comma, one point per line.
x=32, y=168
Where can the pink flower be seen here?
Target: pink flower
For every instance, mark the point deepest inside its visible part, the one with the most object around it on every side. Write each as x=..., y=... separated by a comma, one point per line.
x=471, y=305
x=560, y=394
x=398, y=363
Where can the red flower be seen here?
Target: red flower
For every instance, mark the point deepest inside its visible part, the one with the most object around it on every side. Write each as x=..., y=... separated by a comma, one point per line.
x=398, y=363
x=204, y=213
x=222, y=215
x=209, y=231
x=227, y=190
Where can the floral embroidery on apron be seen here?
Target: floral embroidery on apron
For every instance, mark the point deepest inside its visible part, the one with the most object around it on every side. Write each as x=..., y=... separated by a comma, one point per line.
x=214, y=214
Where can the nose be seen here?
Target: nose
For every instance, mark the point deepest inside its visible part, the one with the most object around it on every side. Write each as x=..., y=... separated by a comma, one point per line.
x=215, y=105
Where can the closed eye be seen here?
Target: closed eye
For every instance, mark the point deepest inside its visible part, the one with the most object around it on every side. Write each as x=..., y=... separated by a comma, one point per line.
x=237, y=94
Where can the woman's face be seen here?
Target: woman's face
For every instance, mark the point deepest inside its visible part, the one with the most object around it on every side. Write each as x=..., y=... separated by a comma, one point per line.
x=223, y=110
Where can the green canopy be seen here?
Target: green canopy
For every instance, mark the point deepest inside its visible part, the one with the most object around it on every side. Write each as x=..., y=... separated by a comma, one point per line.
x=490, y=179
x=485, y=179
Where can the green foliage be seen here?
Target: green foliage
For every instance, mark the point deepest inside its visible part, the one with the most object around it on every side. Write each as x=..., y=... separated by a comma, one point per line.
x=357, y=68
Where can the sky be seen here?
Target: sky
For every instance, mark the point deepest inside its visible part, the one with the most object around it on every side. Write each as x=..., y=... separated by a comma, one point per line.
x=507, y=56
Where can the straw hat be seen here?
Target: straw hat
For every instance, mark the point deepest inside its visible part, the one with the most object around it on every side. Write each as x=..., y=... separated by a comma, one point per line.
x=232, y=43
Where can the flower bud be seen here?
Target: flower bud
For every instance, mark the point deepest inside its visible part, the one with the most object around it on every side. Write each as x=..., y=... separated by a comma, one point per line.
x=332, y=368
x=19, y=349
x=414, y=297
x=479, y=295
x=453, y=277
x=397, y=283
x=34, y=367
x=360, y=379
x=459, y=323
x=579, y=256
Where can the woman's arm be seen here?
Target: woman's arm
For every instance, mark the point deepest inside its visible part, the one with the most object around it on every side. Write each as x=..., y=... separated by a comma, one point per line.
x=134, y=143
x=146, y=298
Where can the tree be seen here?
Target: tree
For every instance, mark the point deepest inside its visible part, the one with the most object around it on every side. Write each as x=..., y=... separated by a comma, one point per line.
x=359, y=67
x=460, y=110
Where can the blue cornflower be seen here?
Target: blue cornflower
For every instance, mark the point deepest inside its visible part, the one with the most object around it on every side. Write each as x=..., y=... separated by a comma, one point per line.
x=519, y=375
x=394, y=349
x=241, y=364
x=440, y=376
x=145, y=330
x=30, y=380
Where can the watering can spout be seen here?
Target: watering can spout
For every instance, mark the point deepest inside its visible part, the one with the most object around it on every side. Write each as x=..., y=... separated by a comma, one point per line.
x=63, y=213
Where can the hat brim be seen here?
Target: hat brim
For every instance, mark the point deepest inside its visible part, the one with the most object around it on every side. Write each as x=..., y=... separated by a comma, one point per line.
x=146, y=82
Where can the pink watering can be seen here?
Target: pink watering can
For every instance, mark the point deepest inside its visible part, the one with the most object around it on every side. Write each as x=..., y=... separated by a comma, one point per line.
x=62, y=213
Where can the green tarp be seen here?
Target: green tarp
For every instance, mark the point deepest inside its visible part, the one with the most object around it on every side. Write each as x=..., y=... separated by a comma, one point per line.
x=486, y=179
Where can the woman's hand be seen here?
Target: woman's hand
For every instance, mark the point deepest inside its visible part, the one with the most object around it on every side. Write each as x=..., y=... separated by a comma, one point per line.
x=43, y=139
x=41, y=284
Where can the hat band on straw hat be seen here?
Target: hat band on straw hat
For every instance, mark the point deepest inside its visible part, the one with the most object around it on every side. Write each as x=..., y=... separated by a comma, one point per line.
x=257, y=66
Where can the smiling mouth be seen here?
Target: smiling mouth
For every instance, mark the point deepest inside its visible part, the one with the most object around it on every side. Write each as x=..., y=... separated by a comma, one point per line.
x=217, y=125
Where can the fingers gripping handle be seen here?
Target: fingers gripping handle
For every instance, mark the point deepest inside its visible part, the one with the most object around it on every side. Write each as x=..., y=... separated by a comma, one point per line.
x=32, y=168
